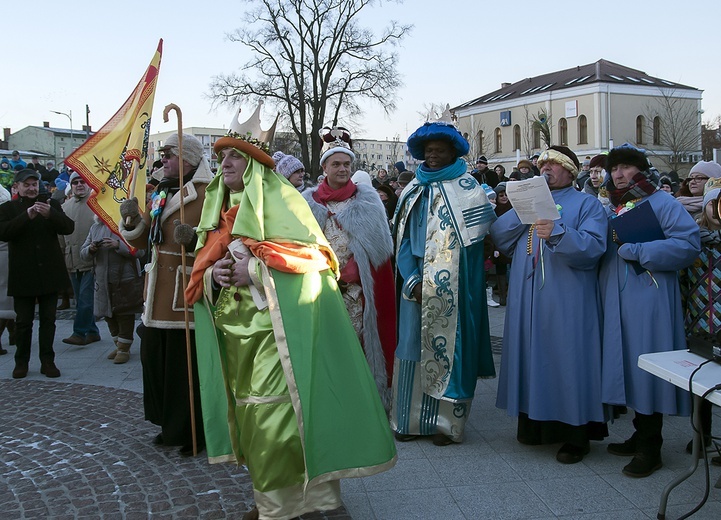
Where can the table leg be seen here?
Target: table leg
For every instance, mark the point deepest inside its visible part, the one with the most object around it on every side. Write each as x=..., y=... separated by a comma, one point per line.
x=695, y=452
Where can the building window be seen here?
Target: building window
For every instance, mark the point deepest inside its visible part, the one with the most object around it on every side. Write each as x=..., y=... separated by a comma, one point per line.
x=639, y=129
x=656, y=130
x=499, y=141
x=563, y=131
x=516, y=137
x=536, y=137
x=480, y=142
x=582, y=130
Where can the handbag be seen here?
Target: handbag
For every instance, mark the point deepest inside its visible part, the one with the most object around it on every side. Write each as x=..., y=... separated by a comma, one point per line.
x=126, y=297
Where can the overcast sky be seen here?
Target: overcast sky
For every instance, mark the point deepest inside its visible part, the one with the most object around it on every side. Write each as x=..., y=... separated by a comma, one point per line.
x=63, y=55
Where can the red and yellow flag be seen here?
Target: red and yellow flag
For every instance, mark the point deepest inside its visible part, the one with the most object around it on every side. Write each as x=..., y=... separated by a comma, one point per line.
x=110, y=160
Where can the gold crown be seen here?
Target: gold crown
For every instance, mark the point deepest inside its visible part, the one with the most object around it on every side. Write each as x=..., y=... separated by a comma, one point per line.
x=251, y=132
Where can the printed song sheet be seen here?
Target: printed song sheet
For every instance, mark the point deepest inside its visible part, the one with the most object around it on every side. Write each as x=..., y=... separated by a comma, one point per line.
x=532, y=200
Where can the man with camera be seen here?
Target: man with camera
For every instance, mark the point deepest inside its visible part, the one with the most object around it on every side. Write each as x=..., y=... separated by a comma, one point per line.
x=85, y=331
x=30, y=225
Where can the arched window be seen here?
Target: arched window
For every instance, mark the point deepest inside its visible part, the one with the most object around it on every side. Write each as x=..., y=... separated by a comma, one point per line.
x=516, y=137
x=536, y=137
x=563, y=131
x=582, y=130
x=640, y=122
x=656, y=130
x=499, y=142
x=480, y=142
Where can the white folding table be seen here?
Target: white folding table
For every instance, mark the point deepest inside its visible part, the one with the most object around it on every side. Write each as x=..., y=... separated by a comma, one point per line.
x=676, y=367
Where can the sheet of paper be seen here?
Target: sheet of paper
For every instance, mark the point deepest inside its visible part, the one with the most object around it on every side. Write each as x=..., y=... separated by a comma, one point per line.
x=532, y=200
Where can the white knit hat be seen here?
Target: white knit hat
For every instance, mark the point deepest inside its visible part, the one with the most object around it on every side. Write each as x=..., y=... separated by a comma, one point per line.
x=708, y=168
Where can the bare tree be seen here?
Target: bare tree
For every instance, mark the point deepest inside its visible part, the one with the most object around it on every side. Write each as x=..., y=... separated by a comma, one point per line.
x=313, y=62
x=710, y=138
x=677, y=131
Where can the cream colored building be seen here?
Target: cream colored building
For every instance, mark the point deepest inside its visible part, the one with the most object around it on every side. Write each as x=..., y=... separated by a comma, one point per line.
x=589, y=108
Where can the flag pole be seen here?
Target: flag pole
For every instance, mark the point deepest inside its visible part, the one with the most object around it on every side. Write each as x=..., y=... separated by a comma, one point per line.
x=188, y=348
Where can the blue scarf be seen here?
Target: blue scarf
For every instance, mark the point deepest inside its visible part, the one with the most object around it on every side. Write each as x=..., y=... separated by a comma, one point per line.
x=425, y=175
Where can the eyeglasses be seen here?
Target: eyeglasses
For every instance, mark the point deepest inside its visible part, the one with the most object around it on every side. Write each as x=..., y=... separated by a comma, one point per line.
x=166, y=155
x=701, y=178
x=77, y=181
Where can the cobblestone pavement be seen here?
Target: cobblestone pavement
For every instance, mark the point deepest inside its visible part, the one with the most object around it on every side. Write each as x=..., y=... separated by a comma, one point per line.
x=71, y=451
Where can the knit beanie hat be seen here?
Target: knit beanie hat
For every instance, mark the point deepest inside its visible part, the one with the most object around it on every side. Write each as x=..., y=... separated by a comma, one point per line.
x=523, y=163
x=500, y=187
x=711, y=191
x=708, y=168
x=192, y=148
x=599, y=160
x=286, y=165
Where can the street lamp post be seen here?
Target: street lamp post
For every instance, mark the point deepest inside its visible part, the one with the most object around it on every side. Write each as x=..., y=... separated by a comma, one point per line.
x=70, y=117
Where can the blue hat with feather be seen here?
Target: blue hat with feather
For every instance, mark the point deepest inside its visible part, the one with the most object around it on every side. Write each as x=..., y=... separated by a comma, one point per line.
x=436, y=131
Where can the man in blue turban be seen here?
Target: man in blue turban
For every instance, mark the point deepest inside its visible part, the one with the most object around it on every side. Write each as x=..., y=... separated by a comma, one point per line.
x=443, y=341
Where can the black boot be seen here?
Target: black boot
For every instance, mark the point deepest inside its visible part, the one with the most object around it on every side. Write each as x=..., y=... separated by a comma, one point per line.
x=626, y=448
x=648, y=444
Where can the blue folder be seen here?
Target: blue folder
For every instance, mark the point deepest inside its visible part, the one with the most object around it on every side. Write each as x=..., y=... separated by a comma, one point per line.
x=638, y=225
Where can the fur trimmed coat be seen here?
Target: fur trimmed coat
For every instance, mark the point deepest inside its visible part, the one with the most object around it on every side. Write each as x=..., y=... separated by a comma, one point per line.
x=163, y=276
x=366, y=226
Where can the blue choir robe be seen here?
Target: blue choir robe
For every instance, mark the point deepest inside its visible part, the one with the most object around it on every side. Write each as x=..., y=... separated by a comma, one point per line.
x=642, y=312
x=551, y=360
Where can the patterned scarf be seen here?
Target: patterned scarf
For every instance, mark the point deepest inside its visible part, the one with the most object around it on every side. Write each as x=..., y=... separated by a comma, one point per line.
x=643, y=184
x=165, y=190
x=324, y=193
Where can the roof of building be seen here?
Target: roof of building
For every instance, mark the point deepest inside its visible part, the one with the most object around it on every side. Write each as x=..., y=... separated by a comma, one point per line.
x=601, y=71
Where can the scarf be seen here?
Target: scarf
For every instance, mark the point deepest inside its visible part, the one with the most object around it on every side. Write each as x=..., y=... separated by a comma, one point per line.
x=425, y=175
x=325, y=193
x=166, y=189
x=691, y=204
x=643, y=184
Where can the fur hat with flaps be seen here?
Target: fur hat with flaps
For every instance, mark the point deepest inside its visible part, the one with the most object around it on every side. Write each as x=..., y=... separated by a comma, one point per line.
x=436, y=131
x=627, y=154
x=249, y=138
x=286, y=165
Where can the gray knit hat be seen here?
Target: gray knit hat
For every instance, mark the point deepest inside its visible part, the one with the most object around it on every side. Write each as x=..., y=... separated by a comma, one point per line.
x=286, y=165
x=192, y=148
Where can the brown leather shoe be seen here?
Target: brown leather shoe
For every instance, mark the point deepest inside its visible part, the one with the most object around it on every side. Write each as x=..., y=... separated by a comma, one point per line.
x=20, y=370
x=75, y=340
x=92, y=338
x=49, y=369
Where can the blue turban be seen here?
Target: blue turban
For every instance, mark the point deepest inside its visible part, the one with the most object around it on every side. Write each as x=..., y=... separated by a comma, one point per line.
x=438, y=131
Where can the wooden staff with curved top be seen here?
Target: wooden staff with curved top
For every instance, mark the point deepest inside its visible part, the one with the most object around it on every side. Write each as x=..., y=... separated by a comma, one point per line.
x=188, y=347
